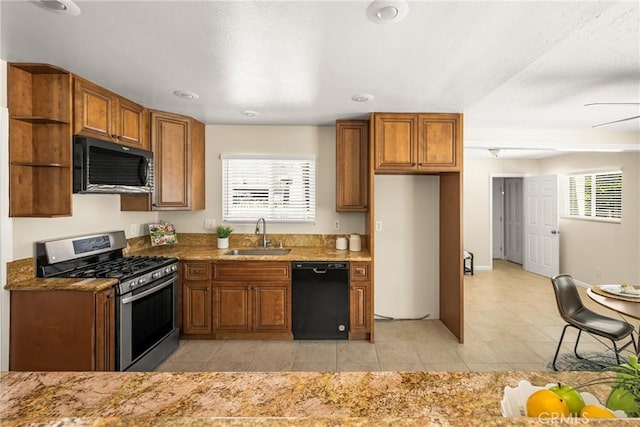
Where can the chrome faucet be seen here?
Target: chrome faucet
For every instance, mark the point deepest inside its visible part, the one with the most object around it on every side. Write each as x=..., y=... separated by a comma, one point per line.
x=265, y=241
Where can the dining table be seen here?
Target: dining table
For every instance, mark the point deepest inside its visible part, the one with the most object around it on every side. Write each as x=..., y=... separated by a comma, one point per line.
x=627, y=305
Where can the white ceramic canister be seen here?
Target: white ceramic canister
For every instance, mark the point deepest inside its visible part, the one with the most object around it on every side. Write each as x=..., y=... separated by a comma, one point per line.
x=341, y=243
x=355, y=243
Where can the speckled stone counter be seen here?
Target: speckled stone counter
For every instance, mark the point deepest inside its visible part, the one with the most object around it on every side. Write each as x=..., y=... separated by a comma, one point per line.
x=212, y=253
x=285, y=398
x=190, y=247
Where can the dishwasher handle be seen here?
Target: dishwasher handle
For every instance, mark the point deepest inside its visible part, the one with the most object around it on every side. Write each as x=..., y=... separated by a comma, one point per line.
x=320, y=267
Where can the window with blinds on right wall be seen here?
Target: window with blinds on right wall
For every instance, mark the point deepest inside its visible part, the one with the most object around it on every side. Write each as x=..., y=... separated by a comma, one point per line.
x=594, y=196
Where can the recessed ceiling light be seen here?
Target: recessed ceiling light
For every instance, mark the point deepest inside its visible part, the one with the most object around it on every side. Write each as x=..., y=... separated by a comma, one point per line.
x=64, y=7
x=362, y=97
x=387, y=11
x=185, y=94
x=250, y=113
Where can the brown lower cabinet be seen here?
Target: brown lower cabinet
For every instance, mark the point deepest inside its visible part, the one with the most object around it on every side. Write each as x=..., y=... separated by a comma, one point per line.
x=197, y=298
x=253, y=307
x=62, y=331
x=360, y=312
x=241, y=299
x=252, y=300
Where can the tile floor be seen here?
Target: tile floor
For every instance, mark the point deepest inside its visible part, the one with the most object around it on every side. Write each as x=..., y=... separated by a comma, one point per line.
x=511, y=323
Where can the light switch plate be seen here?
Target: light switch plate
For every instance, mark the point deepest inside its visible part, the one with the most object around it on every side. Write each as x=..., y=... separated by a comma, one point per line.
x=210, y=224
x=133, y=231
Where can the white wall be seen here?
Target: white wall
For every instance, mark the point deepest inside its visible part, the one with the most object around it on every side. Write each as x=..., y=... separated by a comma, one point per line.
x=593, y=252
x=305, y=140
x=407, y=247
x=5, y=221
x=599, y=252
x=91, y=213
x=477, y=203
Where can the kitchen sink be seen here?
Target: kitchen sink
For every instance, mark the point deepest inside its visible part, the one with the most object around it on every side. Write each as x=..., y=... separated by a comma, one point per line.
x=258, y=252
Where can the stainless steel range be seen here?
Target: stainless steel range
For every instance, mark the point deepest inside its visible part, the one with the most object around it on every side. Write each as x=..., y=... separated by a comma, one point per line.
x=146, y=315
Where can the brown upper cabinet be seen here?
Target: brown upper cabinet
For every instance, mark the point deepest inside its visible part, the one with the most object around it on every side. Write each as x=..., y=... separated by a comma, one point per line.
x=40, y=111
x=177, y=143
x=103, y=114
x=352, y=159
x=417, y=143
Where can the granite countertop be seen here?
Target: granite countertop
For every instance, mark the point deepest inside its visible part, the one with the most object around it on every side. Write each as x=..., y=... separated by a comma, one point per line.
x=21, y=274
x=61, y=284
x=281, y=398
x=212, y=253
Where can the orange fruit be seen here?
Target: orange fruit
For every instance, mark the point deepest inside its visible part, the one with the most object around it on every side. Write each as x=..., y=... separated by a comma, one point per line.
x=595, y=411
x=546, y=404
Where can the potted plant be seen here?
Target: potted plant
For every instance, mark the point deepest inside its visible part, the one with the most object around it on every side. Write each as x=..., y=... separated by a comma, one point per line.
x=223, y=233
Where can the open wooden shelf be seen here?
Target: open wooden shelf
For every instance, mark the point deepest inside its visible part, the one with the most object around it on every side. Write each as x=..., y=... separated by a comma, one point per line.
x=40, y=155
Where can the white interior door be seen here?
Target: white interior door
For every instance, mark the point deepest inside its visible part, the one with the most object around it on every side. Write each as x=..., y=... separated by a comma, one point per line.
x=513, y=219
x=542, y=238
x=497, y=218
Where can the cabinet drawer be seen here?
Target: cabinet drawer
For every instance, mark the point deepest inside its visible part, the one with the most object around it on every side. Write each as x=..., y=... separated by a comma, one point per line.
x=359, y=271
x=252, y=271
x=196, y=270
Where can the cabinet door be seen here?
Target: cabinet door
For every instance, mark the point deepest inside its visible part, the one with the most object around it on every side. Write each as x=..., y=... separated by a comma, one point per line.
x=131, y=124
x=352, y=158
x=170, y=143
x=360, y=307
x=438, y=149
x=360, y=297
x=272, y=307
x=196, y=307
x=105, y=336
x=395, y=142
x=232, y=310
x=94, y=107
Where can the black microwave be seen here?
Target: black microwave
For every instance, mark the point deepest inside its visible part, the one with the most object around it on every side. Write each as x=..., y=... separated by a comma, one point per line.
x=106, y=167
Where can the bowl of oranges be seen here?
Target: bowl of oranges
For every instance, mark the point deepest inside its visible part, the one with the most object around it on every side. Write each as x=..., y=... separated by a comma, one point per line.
x=553, y=401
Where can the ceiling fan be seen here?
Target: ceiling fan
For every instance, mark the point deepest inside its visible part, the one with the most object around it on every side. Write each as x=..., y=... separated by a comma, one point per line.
x=614, y=103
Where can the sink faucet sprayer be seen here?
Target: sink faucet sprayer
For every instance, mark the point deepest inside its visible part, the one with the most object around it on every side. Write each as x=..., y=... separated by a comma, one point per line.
x=265, y=241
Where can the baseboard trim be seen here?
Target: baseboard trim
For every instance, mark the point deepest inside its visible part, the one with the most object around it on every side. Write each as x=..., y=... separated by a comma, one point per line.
x=581, y=284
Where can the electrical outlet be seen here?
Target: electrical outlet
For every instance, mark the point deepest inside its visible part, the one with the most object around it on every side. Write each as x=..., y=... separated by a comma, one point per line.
x=378, y=225
x=210, y=224
x=336, y=224
x=133, y=231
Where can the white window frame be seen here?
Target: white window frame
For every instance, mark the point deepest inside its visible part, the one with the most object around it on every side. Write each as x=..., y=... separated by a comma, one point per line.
x=258, y=180
x=594, y=210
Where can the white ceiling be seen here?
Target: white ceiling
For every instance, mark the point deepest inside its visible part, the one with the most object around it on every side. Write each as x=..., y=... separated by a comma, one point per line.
x=505, y=65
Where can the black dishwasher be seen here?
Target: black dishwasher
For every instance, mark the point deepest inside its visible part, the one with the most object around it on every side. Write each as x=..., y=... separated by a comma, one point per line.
x=320, y=300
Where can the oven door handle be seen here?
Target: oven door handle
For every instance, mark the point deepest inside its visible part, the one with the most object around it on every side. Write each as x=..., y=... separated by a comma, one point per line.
x=136, y=297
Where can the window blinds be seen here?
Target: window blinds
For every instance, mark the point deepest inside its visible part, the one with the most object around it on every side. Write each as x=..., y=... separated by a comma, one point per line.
x=595, y=195
x=277, y=188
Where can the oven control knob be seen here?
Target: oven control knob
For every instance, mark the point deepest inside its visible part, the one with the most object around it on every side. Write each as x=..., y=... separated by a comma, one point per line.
x=155, y=275
x=174, y=268
x=142, y=281
x=167, y=270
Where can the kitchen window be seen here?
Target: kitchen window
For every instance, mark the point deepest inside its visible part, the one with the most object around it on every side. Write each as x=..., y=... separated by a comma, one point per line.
x=277, y=188
x=596, y=196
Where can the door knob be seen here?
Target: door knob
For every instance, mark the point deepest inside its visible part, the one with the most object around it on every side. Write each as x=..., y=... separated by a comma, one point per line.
x=555, y=232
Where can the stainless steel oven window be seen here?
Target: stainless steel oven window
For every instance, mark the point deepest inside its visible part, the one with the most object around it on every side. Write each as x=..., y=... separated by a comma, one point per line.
x=147, y=315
